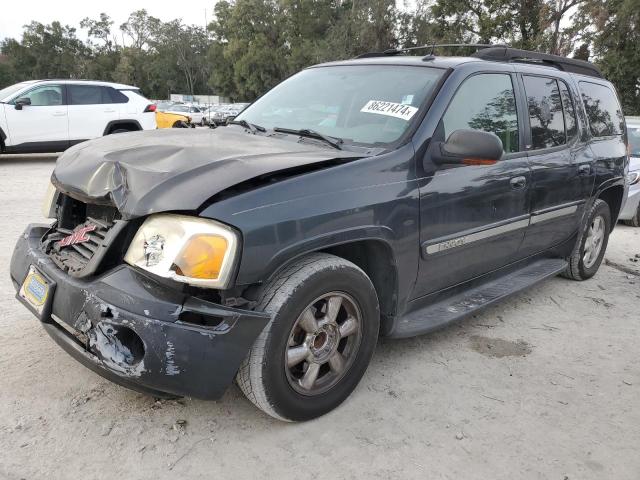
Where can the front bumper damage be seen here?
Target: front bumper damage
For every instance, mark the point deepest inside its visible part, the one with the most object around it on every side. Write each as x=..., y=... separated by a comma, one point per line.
x=137, y=332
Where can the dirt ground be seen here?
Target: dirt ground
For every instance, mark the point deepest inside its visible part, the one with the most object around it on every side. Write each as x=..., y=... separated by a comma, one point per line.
x=544, y=386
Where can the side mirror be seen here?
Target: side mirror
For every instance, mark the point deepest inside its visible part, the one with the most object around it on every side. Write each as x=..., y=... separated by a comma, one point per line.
x=21, y=102
x=468, y=147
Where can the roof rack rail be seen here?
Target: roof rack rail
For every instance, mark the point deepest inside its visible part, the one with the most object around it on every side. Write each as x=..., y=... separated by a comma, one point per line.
x=506, y=54
x=432, y=47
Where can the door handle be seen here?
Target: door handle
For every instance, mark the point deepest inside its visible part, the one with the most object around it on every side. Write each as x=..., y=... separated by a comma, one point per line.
x=584, y=169
x=59, y=114
x=109, y=111
x=518, y=183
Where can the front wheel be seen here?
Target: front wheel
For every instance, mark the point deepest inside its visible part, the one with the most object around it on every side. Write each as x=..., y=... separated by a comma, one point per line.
x=315, y=350
x=591, y=245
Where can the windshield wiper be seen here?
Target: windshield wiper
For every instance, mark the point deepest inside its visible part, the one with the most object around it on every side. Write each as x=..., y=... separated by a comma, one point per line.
x=305, y=132
x=251, y=126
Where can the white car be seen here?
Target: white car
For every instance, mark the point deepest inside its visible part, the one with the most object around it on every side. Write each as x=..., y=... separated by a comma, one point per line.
x=52, y=115
x=196, y=113
x=630, y=214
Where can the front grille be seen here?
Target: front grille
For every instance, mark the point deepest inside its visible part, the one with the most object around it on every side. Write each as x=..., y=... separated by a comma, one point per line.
x=82, y=236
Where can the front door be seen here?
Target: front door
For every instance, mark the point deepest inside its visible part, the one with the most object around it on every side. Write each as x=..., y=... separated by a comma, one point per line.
x=473, y=217
x=41, y=126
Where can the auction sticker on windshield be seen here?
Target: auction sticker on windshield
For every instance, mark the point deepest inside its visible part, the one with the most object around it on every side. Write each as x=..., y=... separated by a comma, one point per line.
x=391, y=109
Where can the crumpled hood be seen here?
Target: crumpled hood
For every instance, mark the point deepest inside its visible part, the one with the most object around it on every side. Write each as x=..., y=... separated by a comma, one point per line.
x=176, y=169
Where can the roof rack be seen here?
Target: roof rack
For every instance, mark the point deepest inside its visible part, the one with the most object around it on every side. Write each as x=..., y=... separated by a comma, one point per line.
x=506, y=54
x=432, y=47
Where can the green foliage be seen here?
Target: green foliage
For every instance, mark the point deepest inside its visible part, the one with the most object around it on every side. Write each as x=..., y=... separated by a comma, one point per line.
x=616, y=45
x=251, y=45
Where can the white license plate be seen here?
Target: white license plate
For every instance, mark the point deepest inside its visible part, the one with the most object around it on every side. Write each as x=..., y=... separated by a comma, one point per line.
x=35, y=290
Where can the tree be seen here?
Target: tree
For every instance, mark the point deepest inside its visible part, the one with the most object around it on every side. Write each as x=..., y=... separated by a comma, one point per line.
x=252, y=34
x=613, y=31
x=104, y=51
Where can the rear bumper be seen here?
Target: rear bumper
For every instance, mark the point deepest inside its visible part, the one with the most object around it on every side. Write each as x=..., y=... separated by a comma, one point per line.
x=137, y=332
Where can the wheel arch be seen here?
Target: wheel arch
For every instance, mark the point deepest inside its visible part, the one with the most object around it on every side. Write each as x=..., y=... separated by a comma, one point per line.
x=375, y=256
x=614, y=196
x=3, y=137
x=131, y=125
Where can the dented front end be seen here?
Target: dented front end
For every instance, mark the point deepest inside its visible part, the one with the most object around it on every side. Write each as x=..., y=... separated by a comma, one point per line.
x=132, y=329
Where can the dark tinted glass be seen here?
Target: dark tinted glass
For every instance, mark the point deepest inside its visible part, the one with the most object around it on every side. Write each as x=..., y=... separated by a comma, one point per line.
x=88, y=95
x=545, y=112
x=603, y=111
x=569, y=111
x=116, y=96
x=484, y=102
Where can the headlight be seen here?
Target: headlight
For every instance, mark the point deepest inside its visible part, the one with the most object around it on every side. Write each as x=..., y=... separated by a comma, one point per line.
x=187, y=249
x=633, y=177
x=49, y=203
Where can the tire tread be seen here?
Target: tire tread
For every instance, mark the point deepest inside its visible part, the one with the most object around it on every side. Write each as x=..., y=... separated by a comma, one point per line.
x=250, y=374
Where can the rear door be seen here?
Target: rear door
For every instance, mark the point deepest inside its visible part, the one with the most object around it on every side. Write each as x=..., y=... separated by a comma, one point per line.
x=43, y=125
x=560, y=164
x=473, y=217
x=606, y=127
x=91, y=109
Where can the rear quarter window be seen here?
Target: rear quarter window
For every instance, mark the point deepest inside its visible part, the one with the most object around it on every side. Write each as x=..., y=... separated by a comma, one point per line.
x=603, y=110
x=116, y=96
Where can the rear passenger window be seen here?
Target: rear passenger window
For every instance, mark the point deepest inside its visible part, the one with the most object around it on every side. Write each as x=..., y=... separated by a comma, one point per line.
x=484, y=102
x=603, y=110
x=88, y=95
x=545, y=112
x=569, y=112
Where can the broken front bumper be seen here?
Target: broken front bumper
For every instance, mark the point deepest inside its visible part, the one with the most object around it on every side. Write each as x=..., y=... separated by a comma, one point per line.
x=138, y=332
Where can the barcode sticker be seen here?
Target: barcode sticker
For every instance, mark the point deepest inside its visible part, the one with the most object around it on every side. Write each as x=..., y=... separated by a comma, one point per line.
x=391, y=109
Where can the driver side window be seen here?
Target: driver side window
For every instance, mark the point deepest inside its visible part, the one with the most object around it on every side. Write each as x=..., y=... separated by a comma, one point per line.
x=484, y=102
x=45, y=96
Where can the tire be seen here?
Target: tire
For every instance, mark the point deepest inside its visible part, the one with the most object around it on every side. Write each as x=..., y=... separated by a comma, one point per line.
x=306, y=288
x=119, y=130
x=635, y=220
x=583, y=266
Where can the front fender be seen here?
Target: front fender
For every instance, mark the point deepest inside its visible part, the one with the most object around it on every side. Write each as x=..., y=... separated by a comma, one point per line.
x=292, y=252
x=369, y=199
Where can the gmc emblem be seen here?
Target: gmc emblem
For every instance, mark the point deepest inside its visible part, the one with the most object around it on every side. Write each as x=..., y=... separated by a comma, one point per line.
x=78, y=236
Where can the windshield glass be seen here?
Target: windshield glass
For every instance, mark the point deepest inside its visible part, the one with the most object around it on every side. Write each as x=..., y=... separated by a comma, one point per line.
x=6, y=92
x=634, y=140
x=370, y=104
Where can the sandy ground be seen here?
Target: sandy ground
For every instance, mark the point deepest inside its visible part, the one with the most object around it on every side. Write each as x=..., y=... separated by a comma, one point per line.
x=546, y=385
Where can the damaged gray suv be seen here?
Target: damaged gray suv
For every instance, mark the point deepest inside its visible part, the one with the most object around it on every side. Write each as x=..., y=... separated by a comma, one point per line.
x=386, y=195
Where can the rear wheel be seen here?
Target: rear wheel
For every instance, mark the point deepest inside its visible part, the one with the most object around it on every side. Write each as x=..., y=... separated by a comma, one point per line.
x=323, y=332
x=592, y=243
x=119, y=130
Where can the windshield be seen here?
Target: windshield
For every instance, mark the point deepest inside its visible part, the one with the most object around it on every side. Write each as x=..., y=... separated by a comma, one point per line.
x=6, y=92
x=370, y=104
x=634, y=140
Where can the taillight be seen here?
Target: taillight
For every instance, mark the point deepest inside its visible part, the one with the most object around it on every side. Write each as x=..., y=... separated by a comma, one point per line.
x=150, y=108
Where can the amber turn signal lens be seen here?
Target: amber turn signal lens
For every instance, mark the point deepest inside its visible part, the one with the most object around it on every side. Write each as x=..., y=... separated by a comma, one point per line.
x=202, y=257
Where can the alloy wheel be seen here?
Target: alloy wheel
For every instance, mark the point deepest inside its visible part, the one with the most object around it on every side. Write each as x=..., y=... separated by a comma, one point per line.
x=594, y=241
x=323, y=343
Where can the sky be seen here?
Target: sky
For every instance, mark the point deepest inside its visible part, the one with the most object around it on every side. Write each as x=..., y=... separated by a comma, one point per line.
x=15, y=14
